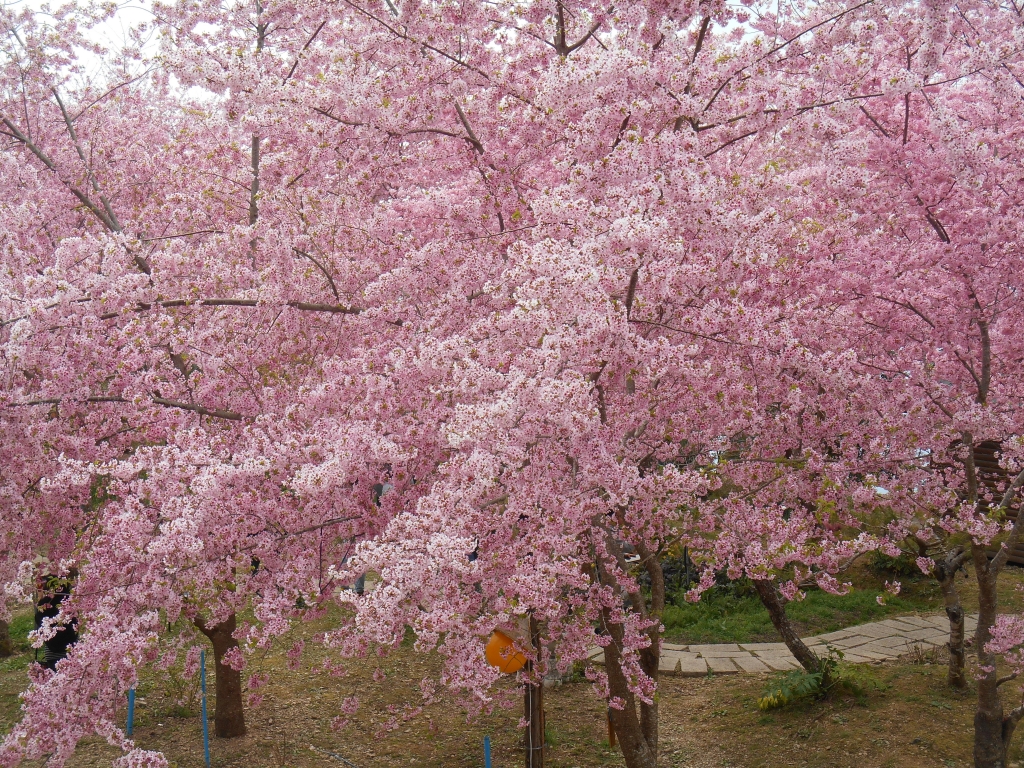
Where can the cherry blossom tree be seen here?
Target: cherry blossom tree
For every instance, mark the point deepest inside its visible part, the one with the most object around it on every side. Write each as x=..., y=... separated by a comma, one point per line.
x=573, y=281
x=924, y=226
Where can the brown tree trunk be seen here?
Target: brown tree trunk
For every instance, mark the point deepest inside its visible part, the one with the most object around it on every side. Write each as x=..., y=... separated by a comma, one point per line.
x=6, y=644
x=637, y=750
x=229, y=713
x=992, y=729
x=636, y=723
x=533, y=706
x=955, y=676
x=772, y=600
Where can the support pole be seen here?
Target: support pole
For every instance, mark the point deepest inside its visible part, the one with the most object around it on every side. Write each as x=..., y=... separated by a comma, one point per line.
x=487, y=752
x=131, y=713
x=534, y=707
x=206, y=722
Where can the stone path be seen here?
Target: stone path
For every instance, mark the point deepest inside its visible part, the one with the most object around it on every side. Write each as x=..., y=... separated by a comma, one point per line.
x=877, y=641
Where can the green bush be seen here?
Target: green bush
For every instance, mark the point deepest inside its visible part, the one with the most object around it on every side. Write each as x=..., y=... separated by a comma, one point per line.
x=905, y=565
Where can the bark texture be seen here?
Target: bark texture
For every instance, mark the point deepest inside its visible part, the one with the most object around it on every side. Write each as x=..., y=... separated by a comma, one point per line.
x=636, y=723
x=772, y=600
x=956, y=675
x=533, y=706
x=229, y=712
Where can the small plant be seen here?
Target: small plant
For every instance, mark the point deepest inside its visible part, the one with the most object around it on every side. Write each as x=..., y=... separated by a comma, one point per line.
x=831, y=677
x=551, y=737
x=795, y=685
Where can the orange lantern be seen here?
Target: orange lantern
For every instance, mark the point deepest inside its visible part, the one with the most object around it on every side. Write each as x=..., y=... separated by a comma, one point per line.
x=501, y=653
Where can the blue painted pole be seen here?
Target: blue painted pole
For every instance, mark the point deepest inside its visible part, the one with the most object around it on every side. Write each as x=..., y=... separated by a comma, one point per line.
x=487, y=752
x=206, y=723
x=131, y=712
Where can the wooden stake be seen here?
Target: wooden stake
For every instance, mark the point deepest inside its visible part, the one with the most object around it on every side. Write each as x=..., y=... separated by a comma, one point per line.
x=533, y=706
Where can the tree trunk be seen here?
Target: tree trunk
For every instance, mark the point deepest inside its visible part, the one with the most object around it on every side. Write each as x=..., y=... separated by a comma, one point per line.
x=992, y=730
x=637, y=750
x=6, y=644
x=229, y=713
x=635, y=722
x=533, y=706
x=772, y=600
x=956, y=676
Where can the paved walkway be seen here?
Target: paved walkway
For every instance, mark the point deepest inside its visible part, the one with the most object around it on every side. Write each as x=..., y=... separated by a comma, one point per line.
x=877, y=641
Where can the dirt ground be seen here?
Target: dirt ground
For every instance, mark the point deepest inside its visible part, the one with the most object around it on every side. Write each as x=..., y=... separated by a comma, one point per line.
x=907, y=718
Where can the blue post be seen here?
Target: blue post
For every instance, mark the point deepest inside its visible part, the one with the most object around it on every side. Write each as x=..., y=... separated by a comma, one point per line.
x=487, y=752
x=131, y=712
x=206, y=723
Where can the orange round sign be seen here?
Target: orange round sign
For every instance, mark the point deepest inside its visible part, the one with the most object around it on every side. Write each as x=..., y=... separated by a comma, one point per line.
x=501, y=653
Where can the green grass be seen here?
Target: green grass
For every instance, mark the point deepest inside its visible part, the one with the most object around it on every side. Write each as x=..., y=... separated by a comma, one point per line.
x=730, y=614
x=21, y=624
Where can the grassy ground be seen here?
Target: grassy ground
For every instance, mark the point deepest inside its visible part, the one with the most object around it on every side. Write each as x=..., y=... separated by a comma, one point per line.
x=907, y=718
x=732, y=614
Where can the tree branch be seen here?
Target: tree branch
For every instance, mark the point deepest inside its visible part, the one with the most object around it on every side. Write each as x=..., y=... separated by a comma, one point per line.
x=298, y=56
x=201, y=410
x=330, y=280
x=469, y=130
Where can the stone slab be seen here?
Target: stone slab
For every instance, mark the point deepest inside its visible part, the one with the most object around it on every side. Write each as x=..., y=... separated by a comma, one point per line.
x=839, y=634
x=928, y=636
x=873, y=630
x=695, y=667
x=884, y=651
x=599, y=659
x=897, y=642
x=897, y=625
x=721, y=665
x=764, y=646
x=916, y=621
x=774, y=655
x=724, y=654
x=716, y=648
x=872, y=642
x=867, y=653
x=779, y=663
x=852, y=642
x=751, y=664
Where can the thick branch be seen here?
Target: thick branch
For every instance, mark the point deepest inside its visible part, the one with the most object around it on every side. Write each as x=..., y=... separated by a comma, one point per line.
x=201, y=410
x=1015, y=533
x=323, y=270
x=472, y=139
